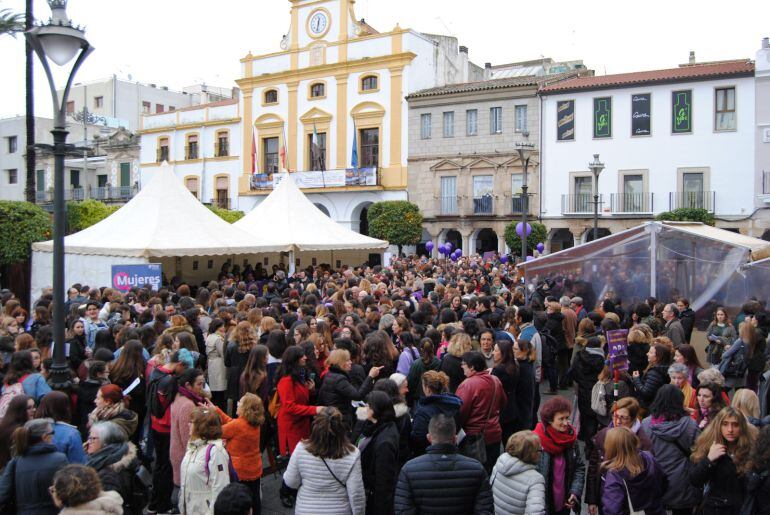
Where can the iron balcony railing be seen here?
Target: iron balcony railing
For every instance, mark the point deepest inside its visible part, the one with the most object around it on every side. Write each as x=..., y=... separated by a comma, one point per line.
x=766, y=183
x=102, y=193
x=579, y=204
x=221, y=149
x=191, y=152
x=631, y=203
x=449, y=205
x=692, y=200
x=162, y=154
x=517, y=204
x=483, y=205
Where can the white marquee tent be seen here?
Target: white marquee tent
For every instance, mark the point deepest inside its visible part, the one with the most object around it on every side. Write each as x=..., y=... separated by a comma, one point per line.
x=164, y=220
x=288, y=221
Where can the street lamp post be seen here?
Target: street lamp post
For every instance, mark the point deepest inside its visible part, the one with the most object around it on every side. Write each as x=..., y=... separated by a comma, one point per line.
x=60, y=41
x=524, y=149
x=596, y=168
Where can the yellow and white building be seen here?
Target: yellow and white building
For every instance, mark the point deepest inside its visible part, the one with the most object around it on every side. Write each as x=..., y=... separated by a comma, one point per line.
x=336, y=75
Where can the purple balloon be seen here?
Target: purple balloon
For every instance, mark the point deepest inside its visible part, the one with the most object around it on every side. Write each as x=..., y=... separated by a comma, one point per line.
x=503, y=259
x=458, y=252
x=448, y=246
x=442, y=249
x=540, y=247
x=454, y=258
x=429, y=246
x=530, y=258
x=520, y=231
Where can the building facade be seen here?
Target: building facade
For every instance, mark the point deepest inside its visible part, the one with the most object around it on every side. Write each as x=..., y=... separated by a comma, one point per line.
x=464, y=170
x=762, y=138
x=677, y=138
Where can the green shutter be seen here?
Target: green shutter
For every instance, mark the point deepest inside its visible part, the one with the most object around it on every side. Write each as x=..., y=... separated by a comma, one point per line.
x=125, y=174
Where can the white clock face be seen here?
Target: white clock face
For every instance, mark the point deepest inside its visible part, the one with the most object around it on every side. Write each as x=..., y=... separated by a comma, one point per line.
x=318, y=23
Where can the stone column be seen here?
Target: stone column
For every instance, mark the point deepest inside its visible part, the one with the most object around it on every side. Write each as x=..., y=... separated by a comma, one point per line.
x=501, y=247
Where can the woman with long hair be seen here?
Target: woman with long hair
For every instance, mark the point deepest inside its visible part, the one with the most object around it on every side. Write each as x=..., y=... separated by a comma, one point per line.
x=243, y=440
x=243, y=340
x=639, y=342
x=379, y=351
x=561, y=463
x=747, y=402
x=326, y=468
x=506, y=369
x=409, y=353
x=188, y=397
x=216, y=372
x=722, y=458
x=76, y=339
x=435, y=400
x=254, y=376
x=20, y=410
x=294, y=388
x=379, y=455
x=585, y=372
x=21, y=371
x=525, y=354
x=66, y=438
x=338, y=391
x=655, y=375
x=673, y=434
x=760, y=486
x=428, y=361
x=735, y=360
x=27, y=477
x=719, y=334
x=205, y=468
x=634, y=481
x=111, y=407
x=709, y=403
x=686, y=355
x=127, y=371
x=451, y=362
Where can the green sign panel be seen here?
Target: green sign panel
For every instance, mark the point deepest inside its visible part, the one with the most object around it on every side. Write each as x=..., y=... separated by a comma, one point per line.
x=603, y=117
x=681, y=111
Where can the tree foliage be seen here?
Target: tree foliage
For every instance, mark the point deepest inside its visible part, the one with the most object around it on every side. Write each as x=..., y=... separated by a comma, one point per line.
x=397, y=221
x=538, y=235
x=226, y=214
x=85, y=213
x=10, y=22
x=21, y=225
x=686, y=214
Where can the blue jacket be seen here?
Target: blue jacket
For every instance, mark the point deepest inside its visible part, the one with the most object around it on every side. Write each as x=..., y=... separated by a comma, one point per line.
x=66, y=439
x=443, y=481
x=445, y=403
x=35, y=386
x=28, y=487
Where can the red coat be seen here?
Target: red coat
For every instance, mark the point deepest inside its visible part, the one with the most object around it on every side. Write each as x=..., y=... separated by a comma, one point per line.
x=477, y=393
x=295, y=414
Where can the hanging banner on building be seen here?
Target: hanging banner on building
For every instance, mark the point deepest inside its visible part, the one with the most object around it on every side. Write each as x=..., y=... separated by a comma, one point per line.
x=326, y=179
x=681, y=111
x=641, y=114
x=618, y=345
x=125, y=277
x=565, y=120
x=603, y=117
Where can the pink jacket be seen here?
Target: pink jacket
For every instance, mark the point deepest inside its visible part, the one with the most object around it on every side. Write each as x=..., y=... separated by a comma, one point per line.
x=181, y=409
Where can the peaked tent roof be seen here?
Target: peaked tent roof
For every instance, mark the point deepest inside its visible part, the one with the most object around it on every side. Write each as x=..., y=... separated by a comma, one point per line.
x=163, y=220
x=288, y=220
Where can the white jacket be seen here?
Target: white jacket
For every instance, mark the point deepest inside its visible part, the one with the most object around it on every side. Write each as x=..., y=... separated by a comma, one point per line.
x=319, y=492
x=199, y=491
x=217, y=372
x=517, y=487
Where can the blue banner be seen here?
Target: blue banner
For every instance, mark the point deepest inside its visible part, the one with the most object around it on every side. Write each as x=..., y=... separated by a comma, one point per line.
x=125, y=277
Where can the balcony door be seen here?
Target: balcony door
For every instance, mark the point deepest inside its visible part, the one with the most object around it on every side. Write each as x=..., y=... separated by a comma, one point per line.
x=583, y=194
x=482, y=194
x=449, y=195
x=692, y=190
x=633, y=194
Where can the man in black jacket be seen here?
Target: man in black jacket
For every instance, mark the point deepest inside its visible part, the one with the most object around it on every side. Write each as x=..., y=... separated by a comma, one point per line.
x=442, y=480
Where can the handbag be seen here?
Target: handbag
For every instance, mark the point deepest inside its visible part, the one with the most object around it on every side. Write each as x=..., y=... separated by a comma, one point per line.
x=631, y=510
x=473, y=446
x=274, y=405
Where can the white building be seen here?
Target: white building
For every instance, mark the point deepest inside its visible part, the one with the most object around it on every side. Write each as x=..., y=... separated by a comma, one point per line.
x=762, y=140
x=673, y=138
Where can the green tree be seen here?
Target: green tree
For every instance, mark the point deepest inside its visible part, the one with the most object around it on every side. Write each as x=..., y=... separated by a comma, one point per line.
x=10, y=22
x=21, y=225
x=226, y=214
x=538, y=235
x=397, y=221
x=686, y=214
x=84, y=214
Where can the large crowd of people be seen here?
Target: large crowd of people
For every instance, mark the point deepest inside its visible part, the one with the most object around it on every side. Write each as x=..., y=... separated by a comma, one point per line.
x=419, y=387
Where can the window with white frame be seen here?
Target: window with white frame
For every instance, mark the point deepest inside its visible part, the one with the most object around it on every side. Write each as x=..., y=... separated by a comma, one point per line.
x=496, y=120
x=449, y=124
x=471, y=122
x=425, y=126
x=521, y=118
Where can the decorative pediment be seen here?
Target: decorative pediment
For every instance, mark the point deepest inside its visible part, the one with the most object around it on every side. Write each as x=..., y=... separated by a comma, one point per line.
x=516, y=162
x=482, y=162
x=268, y=120
x=446, y=165
x=316, y=115
x=367, y=109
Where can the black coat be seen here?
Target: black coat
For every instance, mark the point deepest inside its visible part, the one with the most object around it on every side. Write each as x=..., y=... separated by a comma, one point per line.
x=525, y=396
x=87, y=391
x=337, y=390
x=235, y=362
x=637, y=357
x=379, y=467
x=446, y=404
x=509, y=381
x=687, y=319
x=77, y=351
x=452, y=366
x=554, y=325
x=762, y=496
x=117, y=474
x=726, y=488
x=443, y=481
x=648, y=385
x=585, y=372
x=28, y=487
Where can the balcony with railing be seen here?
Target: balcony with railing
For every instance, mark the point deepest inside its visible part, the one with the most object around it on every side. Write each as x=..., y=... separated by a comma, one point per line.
x=631, y=203
x=449, y=205
x=339, y=178
x=221, y=149
x=483, y=205
x=517, y=204
x=692, y=200
x=579, y=204
x=191, y=151
x=107, y=194
x=765, y=196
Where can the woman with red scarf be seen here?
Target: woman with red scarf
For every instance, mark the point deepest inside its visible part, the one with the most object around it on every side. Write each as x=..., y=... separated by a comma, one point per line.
x=189, y=396
x=560, y=463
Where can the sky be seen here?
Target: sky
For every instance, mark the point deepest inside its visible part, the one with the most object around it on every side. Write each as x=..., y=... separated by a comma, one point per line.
x=177, y=43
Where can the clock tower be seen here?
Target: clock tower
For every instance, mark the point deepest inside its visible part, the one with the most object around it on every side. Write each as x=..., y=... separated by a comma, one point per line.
x=325, y=22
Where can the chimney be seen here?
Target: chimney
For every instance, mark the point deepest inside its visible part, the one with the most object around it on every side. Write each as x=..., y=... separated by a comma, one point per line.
x=692, y=57
x=765, y=43
x=464, y=49
x=487, y=65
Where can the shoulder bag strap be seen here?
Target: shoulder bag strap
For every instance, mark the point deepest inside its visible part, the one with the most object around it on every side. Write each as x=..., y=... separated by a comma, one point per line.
x=334, y=475
x=628, y=498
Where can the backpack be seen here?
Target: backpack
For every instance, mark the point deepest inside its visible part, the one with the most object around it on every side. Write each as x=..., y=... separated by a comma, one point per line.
x=550, y=346
x=738, y=364
x=9, y=392
x=230, y=467
x=598, y=402
x=154, y=405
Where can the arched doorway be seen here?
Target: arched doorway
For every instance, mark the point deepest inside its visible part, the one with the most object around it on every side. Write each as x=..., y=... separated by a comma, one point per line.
x=602, y=232
x=323, y=209
x=766, y=235
x=562, y=239
x=420, y=249
x=452, y=236
x=359, y=218
x=486, y=241
x=363, y=221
